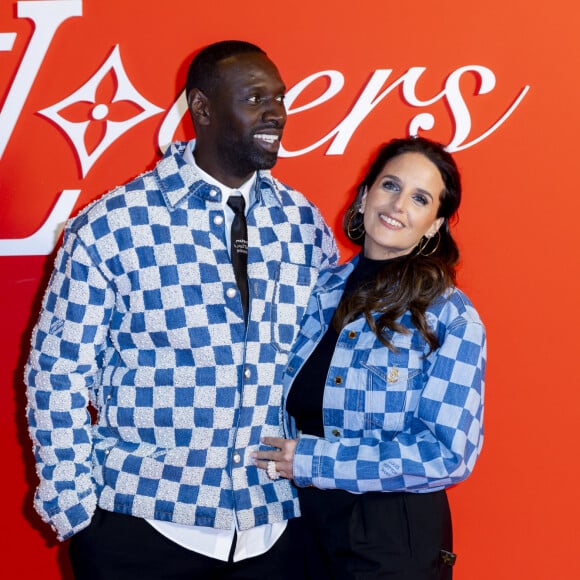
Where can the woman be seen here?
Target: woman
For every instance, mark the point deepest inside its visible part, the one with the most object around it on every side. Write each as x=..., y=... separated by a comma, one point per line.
x=384, y=387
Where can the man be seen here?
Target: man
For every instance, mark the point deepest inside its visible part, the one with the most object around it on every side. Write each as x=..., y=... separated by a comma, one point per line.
x=143, y=319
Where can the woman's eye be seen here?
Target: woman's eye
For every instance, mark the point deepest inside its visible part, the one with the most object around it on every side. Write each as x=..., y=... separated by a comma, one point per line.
x=421, y=199
x=391, y=186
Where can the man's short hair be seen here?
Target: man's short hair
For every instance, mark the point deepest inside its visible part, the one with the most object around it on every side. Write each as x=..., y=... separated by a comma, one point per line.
x=202, y=72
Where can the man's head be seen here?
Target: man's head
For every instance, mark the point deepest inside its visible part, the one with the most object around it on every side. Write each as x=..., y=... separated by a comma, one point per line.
x=236, y=100
x=203, y=70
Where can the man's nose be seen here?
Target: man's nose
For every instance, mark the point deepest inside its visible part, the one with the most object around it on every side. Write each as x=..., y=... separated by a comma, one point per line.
x=275, y=111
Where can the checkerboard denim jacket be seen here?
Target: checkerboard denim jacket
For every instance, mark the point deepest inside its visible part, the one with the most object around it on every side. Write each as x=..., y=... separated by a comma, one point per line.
x=143, y=319
x=393, y=421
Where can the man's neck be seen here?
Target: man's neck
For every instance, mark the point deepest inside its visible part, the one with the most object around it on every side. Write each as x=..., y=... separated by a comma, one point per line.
x=218, y=173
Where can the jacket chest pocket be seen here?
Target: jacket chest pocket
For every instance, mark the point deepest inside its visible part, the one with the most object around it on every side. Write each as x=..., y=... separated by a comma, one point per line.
x=292, y=287
x=389, y=392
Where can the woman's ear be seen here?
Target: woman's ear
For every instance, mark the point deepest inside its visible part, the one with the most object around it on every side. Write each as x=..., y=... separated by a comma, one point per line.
x=363, y=201
x=435, y=227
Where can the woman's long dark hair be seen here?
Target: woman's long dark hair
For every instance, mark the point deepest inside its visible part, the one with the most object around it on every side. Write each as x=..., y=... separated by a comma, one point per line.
x=414, y=282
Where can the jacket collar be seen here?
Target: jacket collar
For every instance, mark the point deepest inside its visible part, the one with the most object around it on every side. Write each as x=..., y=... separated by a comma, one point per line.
x=179, y=180
x=335, y=278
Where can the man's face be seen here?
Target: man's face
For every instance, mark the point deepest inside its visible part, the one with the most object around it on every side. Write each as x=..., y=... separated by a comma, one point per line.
x=247, y=116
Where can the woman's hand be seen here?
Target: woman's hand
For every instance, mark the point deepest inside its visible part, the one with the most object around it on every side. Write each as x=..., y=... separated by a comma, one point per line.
x=277, y=462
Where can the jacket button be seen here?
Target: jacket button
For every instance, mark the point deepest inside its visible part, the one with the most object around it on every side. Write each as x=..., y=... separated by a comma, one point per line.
x=230, y=292
x=336, y=432
x=218, y=220
x=236, y=457
x=338, y=380
x=352, y=334
x=247, y=373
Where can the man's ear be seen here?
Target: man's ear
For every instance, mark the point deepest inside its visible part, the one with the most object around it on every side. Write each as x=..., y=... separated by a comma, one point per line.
x=198, y=106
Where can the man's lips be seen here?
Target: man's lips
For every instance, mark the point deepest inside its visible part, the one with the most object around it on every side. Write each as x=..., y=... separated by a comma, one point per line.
x=269, y=142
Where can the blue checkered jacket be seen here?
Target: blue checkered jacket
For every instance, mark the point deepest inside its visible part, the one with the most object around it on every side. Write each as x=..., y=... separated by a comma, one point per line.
x=393, y=421
x=143, y=319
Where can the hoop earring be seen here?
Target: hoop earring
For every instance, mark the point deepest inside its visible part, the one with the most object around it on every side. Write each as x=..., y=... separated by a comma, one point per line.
x=354, y=233
x=425, y=242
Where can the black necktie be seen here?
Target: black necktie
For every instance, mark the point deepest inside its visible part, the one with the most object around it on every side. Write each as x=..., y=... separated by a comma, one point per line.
x=239, y=248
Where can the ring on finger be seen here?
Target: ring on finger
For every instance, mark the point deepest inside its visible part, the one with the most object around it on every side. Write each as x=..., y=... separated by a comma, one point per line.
x=271, y=470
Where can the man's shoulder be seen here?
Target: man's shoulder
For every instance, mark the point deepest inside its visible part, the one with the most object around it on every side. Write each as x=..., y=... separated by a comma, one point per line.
x=285, y=194
x=144, y=183
x=113, y=199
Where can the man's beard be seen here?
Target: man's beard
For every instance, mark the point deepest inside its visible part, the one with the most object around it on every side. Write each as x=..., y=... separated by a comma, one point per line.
x=244, y=157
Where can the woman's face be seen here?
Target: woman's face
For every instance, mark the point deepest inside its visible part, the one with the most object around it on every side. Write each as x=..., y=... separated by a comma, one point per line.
x=401, y=206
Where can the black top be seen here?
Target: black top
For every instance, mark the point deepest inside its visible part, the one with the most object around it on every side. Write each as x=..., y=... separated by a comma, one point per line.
x=305, y=398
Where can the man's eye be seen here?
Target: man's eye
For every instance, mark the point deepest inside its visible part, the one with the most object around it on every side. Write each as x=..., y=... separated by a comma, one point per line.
x=255, y=99
x=280, y=98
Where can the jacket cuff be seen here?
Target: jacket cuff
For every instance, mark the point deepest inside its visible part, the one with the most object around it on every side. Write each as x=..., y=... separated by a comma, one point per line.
x=303, y=460
x=72, y=514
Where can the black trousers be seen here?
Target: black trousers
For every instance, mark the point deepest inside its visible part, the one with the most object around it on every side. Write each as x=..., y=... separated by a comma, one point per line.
x=372, y=536
x=122, y=547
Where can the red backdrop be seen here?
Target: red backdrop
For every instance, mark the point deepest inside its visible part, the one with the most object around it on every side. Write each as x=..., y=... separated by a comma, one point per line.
x=89, y=94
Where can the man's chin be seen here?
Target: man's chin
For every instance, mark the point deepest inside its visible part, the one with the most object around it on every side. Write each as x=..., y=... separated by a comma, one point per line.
x=267, y=161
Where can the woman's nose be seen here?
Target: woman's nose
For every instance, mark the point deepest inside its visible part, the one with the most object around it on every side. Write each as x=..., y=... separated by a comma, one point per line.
x=400, y=203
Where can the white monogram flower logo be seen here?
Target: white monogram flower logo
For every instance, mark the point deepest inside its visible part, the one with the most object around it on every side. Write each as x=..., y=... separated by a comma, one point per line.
x=99, y=112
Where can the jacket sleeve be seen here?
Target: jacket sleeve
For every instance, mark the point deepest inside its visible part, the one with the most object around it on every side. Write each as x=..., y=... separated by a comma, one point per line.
x=60, y=373
x=439, y=443
x=330, y=252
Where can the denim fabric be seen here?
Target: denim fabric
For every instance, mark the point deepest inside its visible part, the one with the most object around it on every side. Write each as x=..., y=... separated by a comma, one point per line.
x=393, y=421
